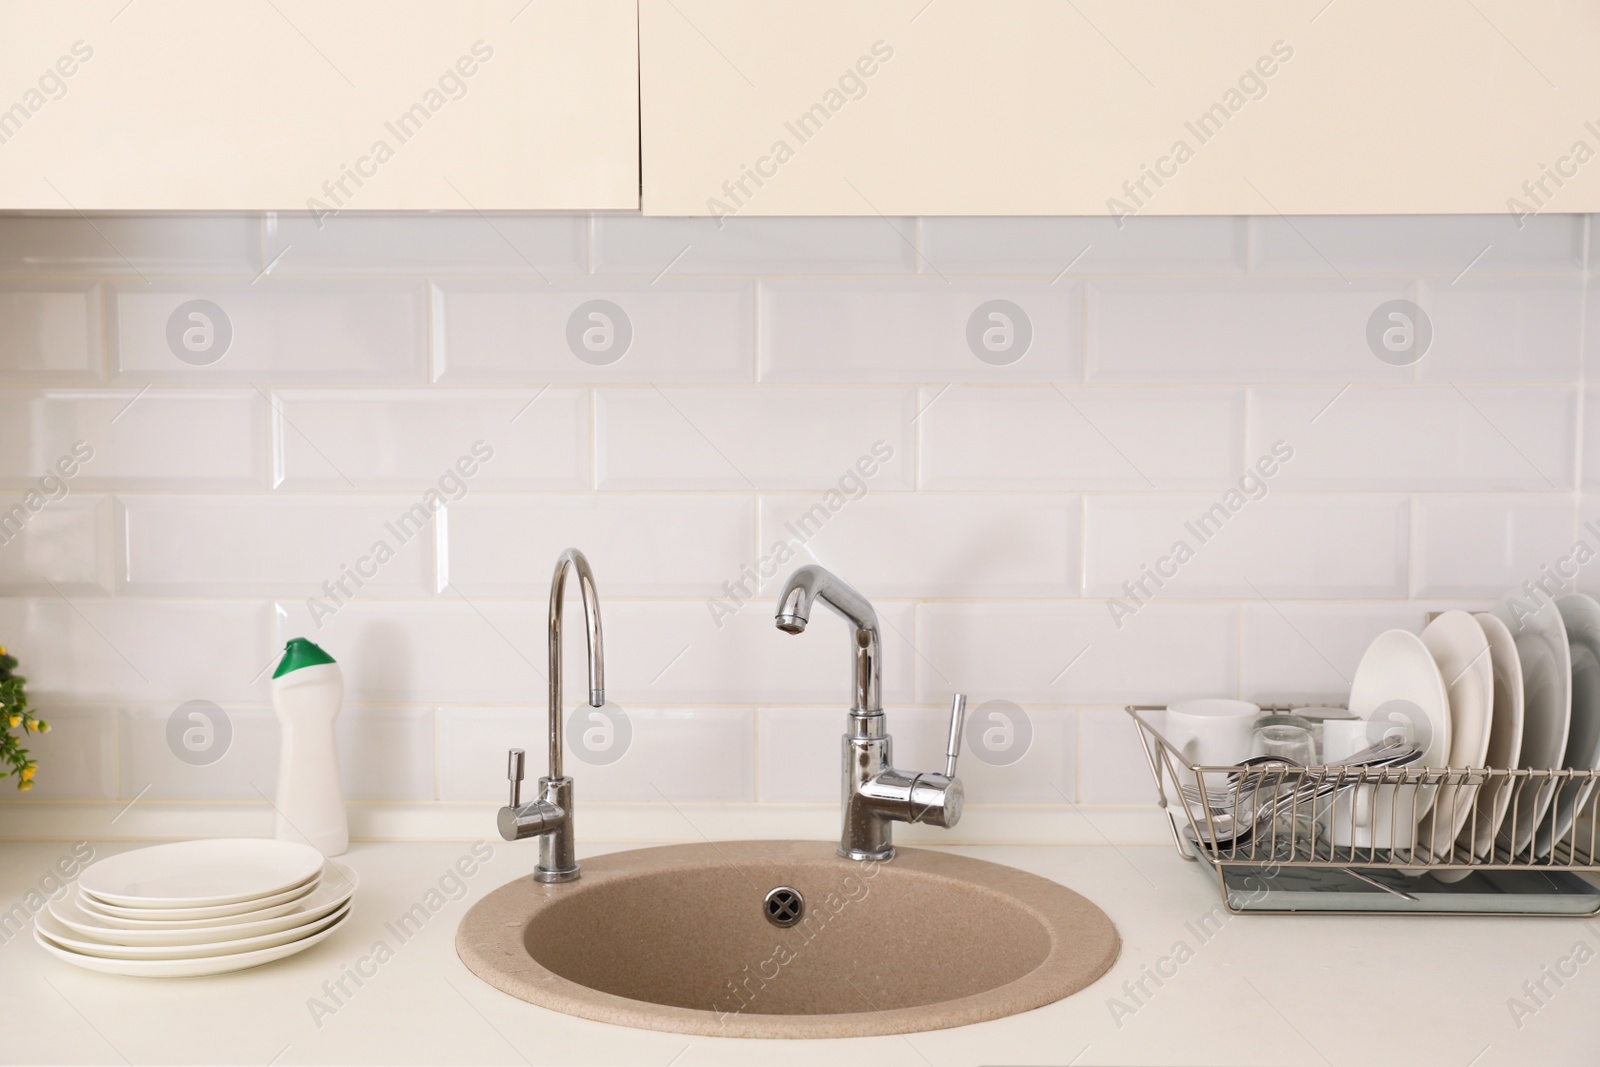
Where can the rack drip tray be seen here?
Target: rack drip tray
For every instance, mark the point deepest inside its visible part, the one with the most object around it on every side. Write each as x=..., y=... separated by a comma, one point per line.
x=1486, y=892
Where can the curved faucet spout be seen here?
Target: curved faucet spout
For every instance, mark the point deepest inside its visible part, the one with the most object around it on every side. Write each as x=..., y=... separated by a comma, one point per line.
x=597, y=665
x=811, y=583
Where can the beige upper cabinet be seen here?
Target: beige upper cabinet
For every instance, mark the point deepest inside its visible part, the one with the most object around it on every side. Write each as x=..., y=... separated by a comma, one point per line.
x=1085, y=107
x=119, y=105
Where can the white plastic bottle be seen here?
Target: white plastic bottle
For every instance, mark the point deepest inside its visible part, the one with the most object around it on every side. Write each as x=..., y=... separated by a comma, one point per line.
x=307, y=692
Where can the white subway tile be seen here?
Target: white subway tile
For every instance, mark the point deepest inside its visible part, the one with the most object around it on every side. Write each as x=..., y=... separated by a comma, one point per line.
x=1591, y=336
x=1112, y=765
x=1435, y=244
x=386, y=753
x=1072, y=652
x=1237, y=330
x=631, y=244
x=49, y=331
x=943, y=545
x=1420, y=438
x=1482, y=546
x=753, y=438
x=1048, y=246
x=646, y=545
x=414, y=439
x=1591, y=434
x=671, y=330
x=656, y=652
x=63, y=546
x=1076, y=438
x=1245, y=544
x=242, y=545
x=131, y=244
x=132, y=438
x=1588, y=532
x=165, y=651
x=476, y=243
x=923, y=330
x=797, y=753
x=675, y=755
x=77, y=759
x=244, y=768
x=1308, y=653
x=1503, y=330
x=271, y=331
x=1010, y=754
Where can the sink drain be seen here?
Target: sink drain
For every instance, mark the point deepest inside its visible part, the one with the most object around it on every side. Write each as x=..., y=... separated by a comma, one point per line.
x=784, y=906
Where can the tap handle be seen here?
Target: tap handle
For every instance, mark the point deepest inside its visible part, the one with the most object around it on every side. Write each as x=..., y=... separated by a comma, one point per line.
x=952, y=748
x=514, y=772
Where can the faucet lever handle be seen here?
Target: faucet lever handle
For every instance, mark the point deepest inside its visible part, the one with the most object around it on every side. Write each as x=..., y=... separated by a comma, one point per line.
x=514, y=773
x=952, y=748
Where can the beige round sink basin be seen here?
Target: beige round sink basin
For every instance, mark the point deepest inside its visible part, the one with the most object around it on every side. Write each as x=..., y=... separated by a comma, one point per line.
x=679, y=938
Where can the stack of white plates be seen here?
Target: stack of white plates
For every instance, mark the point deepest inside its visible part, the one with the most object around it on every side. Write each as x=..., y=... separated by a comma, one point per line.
x=197, y=907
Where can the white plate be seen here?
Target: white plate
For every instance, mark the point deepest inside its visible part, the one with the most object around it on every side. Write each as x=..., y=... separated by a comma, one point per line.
x=278, y=904
x=1581, y=617
x=337, y=886
x=62, y=935
x=1398, y=678
x=1461, y=652
x=1505, y=735
x=200, y=874
x=1541, y=640
x=187, y=968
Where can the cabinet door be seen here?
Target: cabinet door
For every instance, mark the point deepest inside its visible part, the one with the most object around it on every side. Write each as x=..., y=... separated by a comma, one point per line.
x=1084, y=107
x=307, y=105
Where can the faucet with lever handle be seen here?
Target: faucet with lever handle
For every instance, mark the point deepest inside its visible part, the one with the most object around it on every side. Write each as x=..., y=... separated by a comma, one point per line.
x=549, y=817
x=875, y=794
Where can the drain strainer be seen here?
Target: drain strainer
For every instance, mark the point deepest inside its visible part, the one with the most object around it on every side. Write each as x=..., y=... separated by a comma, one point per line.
x=784, y=906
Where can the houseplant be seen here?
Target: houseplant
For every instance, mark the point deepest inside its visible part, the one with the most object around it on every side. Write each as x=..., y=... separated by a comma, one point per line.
x=16, y=715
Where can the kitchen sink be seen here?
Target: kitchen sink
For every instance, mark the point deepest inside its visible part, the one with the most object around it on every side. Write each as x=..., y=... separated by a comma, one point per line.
x=786, y=939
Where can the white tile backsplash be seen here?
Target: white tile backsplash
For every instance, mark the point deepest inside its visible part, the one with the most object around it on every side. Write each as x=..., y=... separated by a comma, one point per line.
x=1485, y=546
x=415, y=439
x=150, y=438
x=792, y=391
x=935, y=544
x=1420, y=438
x=656, y=544
x=139, y=245
x=1272, y=329
x=266, y=546
x=1078, y=246
x=49, y=331
x=1202, y=547
x=63, y=547
x=1073, y=438
x=541, y=246
x=869, y=330
x=622, y=330
x=355, y=331
x=751, y=438
x=656, y=248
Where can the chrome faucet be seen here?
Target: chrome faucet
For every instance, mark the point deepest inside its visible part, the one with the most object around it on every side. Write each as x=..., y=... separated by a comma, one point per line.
x=876, y=796
x=550, y=817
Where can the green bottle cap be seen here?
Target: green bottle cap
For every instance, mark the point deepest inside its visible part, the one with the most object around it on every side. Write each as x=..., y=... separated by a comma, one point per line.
x=298, y=653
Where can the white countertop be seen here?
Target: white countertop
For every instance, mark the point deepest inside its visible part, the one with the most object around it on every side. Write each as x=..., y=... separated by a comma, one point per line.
x=1263, y=989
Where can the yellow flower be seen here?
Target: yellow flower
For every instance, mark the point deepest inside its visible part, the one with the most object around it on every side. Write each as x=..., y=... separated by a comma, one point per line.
x=33, y=725
x=23, y=787
x=29, y=771
x=16, y=720
x=2, y=650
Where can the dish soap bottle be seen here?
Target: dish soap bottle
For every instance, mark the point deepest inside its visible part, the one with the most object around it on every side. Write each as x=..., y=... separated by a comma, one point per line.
x=307, y=691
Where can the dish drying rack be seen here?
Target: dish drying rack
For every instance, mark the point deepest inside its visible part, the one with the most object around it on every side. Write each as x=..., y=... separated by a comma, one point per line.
x=1268, y=833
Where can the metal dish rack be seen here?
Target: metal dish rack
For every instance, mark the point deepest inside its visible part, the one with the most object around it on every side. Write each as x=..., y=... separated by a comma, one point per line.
x=1303, y=805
